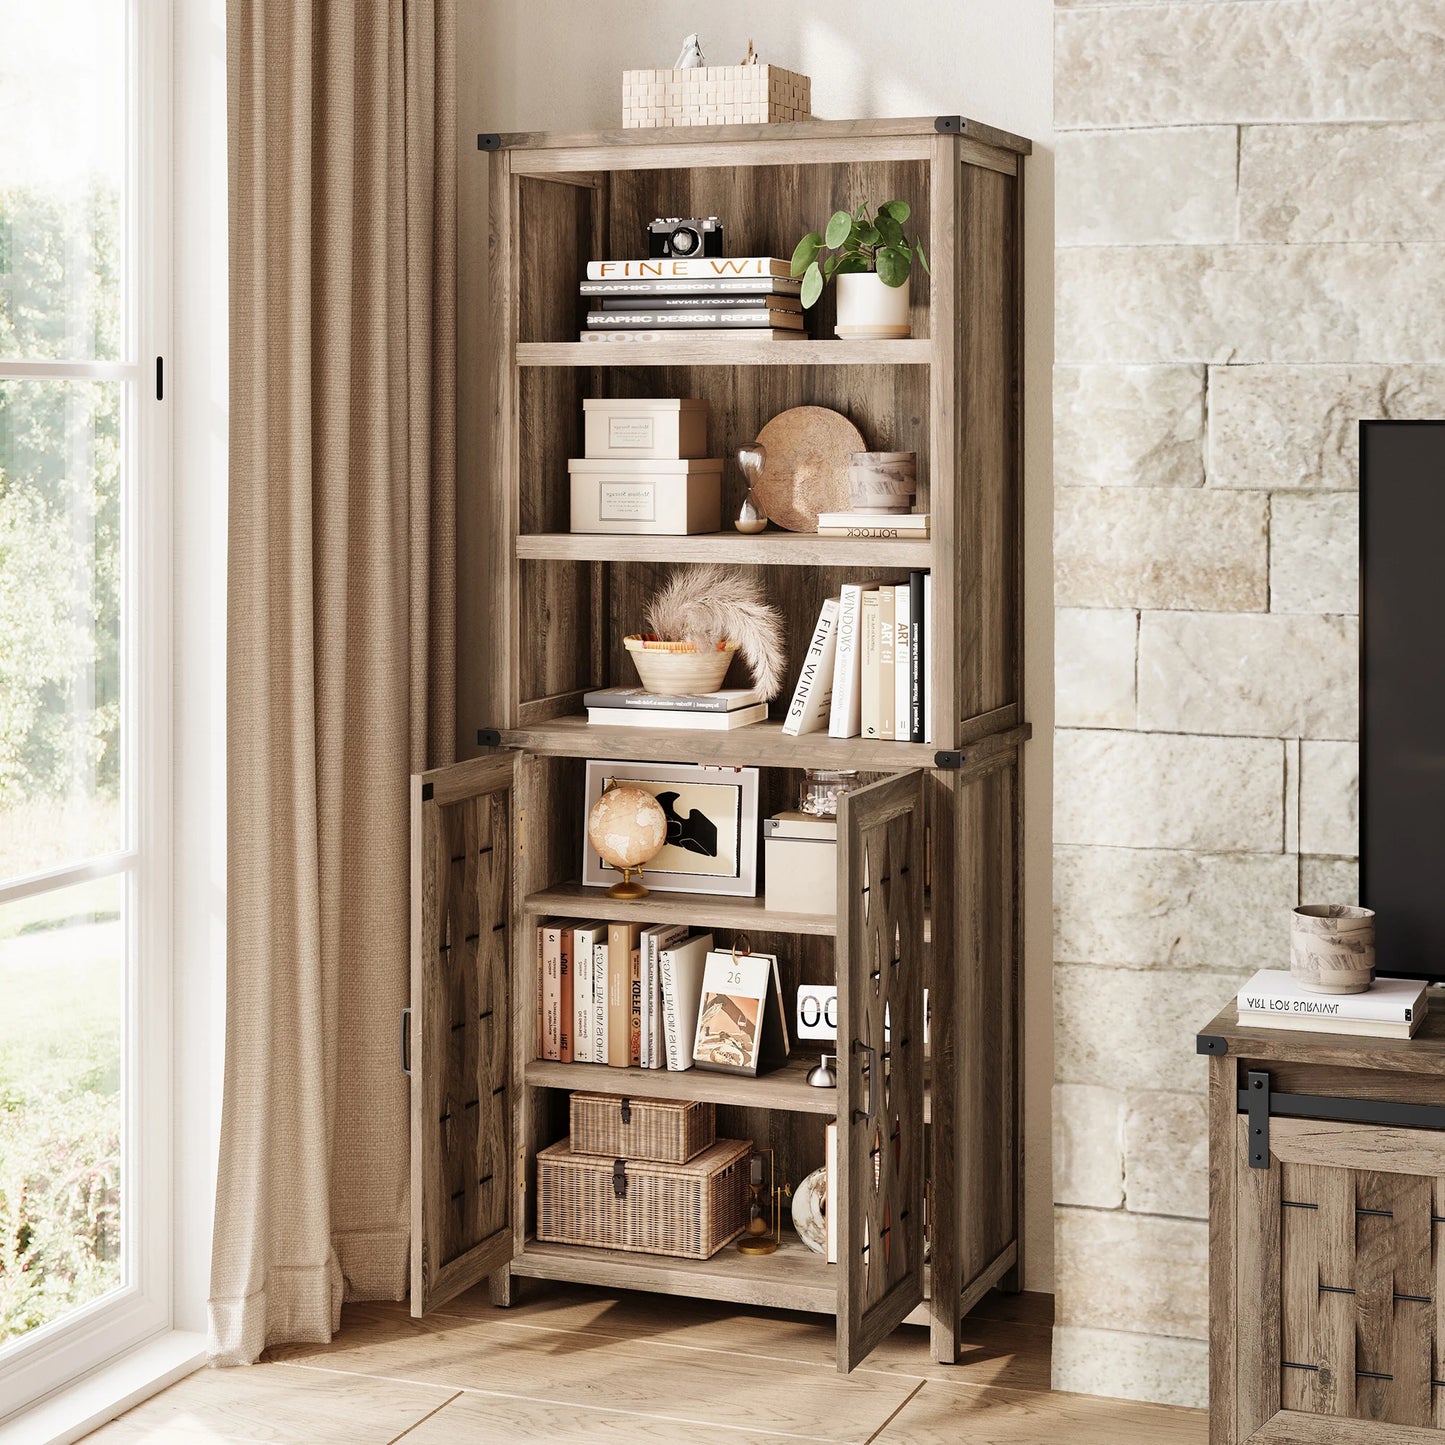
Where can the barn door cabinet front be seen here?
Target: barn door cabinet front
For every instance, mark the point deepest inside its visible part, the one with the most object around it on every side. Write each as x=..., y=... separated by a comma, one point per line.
x=1327, y=1257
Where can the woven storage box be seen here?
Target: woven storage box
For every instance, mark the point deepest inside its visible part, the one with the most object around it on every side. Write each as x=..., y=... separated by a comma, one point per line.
x=668, y=1131
x=715, y=95
x=688, y=1210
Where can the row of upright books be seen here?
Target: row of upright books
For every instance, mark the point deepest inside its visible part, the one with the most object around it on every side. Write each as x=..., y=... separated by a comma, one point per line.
x=654, y=997
x=744, y=296
x=867, y=669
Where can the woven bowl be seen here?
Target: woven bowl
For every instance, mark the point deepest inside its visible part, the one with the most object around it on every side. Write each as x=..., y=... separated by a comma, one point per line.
x=678, y=668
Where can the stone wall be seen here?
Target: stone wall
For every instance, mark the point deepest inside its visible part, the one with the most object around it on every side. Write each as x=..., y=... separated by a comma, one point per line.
x=1250, y=211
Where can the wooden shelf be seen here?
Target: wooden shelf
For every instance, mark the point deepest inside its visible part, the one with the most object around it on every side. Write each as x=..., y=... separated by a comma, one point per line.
x=724, y=351
x=784, y=1088
x=761, y=745
x=701, y=910
x=792, y=1278
x=773, y=549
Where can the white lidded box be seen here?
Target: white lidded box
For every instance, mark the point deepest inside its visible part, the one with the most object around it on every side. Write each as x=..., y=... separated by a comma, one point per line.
x=671, y=498
x=800, y=858
x=643, y=428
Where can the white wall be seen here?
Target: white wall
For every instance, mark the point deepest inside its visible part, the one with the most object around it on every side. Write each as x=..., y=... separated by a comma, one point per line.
x=551, y=65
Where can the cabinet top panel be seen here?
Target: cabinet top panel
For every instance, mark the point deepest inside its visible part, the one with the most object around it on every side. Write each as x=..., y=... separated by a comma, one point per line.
x=797, y=131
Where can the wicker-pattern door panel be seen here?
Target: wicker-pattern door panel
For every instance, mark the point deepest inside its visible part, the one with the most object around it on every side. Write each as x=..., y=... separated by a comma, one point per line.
x=461, y=1101
x=1339, y=1273
x=881, y=1063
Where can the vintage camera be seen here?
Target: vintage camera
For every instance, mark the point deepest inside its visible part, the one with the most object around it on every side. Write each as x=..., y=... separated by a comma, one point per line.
x=669, y=236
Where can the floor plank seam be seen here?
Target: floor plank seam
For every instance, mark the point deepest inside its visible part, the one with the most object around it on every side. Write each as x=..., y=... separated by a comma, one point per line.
x=830, y=1366
x=902, y=1406
x=562, y=1404
x=417, y=1424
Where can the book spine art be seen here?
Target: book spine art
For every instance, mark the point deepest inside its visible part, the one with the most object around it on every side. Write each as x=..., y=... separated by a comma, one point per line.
x=582, y=951
x=813, y=695
x=647, y=701
x=1361, y=1007
x=916, y=657
x=869, y=681
x=671, y=1034
x=552, y=992
x=654, y=290
x=902, y=660
x=620, y=335
x=644, y=1028
x=600, y=1053
x=830, y=1158
x=619, y=995
x=652, y=301
x=843, y=711
x=749, y=316
x=927, y=658
x=885, y=663
x=565, y=1013
x=875, y=532
x=539, y=990
x=666, y=268
x=634, y=1035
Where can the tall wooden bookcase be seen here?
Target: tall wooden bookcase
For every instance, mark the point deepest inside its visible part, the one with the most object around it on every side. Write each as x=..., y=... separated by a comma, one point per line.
x=929, y=848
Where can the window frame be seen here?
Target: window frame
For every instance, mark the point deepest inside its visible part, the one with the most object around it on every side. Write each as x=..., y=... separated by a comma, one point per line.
x=55, y=1355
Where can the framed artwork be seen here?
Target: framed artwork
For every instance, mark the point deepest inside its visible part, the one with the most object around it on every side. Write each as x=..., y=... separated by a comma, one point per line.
x=712, y=826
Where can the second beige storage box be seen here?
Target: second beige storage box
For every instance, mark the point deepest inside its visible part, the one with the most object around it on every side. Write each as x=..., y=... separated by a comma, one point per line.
x=660, y=498
x=689, y=1210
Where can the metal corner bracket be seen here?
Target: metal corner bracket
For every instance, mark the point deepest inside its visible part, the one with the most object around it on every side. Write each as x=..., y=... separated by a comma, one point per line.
x=489, y=738
x=1210, y=1044
x=948, y=124
x=489, y=140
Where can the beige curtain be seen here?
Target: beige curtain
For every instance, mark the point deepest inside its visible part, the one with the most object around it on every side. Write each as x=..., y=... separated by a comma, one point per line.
x=341, y=641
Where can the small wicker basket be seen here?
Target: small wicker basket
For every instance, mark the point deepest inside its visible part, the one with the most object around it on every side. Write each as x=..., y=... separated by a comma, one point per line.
x=687, y=1210
x=669, y=1131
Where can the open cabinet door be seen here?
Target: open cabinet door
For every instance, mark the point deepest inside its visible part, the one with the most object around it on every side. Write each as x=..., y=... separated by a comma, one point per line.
x=881, y=1062
x=462, y=902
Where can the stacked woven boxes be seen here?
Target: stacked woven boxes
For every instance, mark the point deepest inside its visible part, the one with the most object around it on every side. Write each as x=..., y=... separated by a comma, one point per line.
x=715, y=95
x=648, y=1176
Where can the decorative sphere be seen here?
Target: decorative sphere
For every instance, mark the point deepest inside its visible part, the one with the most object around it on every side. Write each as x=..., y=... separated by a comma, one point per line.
x=627, y=826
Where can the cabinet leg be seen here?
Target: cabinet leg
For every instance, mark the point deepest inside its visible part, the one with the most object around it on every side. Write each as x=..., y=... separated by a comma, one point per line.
x=500, y=1287
x=944, y=1337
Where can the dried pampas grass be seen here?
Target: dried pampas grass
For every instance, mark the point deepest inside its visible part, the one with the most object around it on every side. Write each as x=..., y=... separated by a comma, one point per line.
x=712, y=604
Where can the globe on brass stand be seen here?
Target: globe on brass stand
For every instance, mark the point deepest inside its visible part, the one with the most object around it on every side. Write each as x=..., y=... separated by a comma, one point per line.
x=628, y=828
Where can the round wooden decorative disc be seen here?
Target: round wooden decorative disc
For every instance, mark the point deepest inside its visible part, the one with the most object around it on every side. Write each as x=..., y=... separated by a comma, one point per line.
x=806, y=468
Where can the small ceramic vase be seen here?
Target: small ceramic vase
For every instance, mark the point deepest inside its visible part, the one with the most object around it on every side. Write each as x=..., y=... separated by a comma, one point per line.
x=1332, y=948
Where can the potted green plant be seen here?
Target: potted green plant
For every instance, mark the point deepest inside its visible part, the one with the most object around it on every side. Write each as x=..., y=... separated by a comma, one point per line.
x=872, y=260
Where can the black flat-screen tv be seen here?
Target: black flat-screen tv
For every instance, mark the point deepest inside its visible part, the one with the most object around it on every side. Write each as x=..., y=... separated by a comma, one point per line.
x=1402, y=685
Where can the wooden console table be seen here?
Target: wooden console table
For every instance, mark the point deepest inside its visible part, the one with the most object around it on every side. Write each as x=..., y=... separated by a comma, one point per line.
x=1326, y=1236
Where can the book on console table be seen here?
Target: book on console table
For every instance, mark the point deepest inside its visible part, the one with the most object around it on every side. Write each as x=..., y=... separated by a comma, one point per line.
x=663, y=268
x=1391, y=1008
x=715, y=318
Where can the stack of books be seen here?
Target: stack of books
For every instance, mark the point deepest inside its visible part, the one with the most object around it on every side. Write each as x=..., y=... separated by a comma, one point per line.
x=1392, y=1008
x=631, y=707
x=867, y=669
x=744, y=296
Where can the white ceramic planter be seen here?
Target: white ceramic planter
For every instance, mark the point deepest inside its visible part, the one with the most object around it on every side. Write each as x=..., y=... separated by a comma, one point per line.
x=868, y=308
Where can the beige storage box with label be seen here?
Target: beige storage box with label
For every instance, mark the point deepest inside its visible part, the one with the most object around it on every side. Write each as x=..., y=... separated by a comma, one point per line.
x=669, y=498
x=800, y=865
x=642, y=429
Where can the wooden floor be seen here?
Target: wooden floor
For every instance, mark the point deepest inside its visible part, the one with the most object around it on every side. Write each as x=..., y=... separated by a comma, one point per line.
x=574, y=1365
